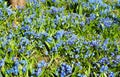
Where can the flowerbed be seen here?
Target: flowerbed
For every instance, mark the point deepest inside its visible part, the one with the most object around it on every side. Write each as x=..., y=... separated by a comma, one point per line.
x=59, y=38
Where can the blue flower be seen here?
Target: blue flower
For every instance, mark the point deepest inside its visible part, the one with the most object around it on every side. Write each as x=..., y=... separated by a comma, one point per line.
x=9, y=11
x=59, y=44
x=2, y=62
x=111, y=74
x=63, y=74
x=92, y=16
x=71, y=40
x=54, y=49
x=24, y=69
x=107, y=22
x=82, y=23
x=54, y=10
x=53, y=0
x=23, y=62
x=9, y=71
x=1, y=13
x=59, y=34
x=16, y=63
x=24, y=41
x=96, y=1
x=16, y=71
x=9, y=49
x=94, y=43
x=104, y=60
x=37, y=73
x=118, y=58
x=43, y=1
x=76, y=1
x=79, y=65
x=42, y=64
x=28, y=53
x=104, y=46
x=22, y=50
x=9, y=37
x=64, y=70
x=25, y=28
x=13, y=70
x=49, y=40
x=81, y=75
x=104, y=68
x=34, y=1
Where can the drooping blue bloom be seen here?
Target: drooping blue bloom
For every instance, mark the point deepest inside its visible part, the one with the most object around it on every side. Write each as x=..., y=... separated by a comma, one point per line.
x=16, y=71
x=42, y=64
x=9, y=37
x=104, y=68
x=79, y=65
x=43, y=1
x=53, y=0
x=77, y=56
x=9, y=11
x=118, y=58
x=111, y=74
x=2, y=62
x=82, y=23
x=106, y=41
x=40, y=44
x=39, y=70
x=28, y=53
x=39, y=67
x=76, y=1
x=104, y=60
x=112, y=54
x=49, y=40
x=71, y=40
x=24, y=69
x=62, y=74
x=81, y=75
x=13, y=70
x=92, y=16
x=59, y=44
x=22, y=49
x=64, y=70
x=45, y=34
x=56, y=20
x=1, y=13
x=4, y=43
x=88, y=20
x=9, y=71
x=87, y=54
x=92, y=1
x=34, y=1
x=61, y=9
x=59, y=34
x=53, y=10
x=16, y=63
x=9, y=49
x=104, y=46
x=94, y=43
x=23, y=62
x=25, y=28
x=107, y=22
x=96, y=1
x=24, y=41
x=54, y=49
